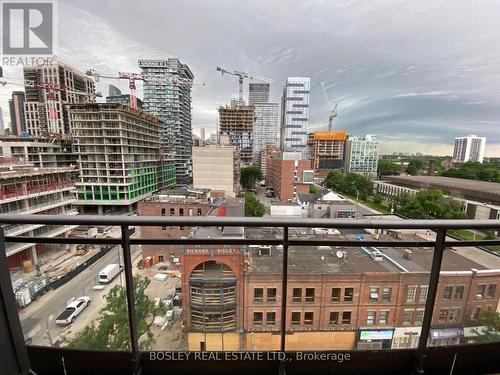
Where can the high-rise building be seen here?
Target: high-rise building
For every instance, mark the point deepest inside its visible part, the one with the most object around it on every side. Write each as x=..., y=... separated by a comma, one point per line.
x=16, y=106
x=258, y=93
x=362, y=155
x=470, y=148
x=327, y=150
x=114, y=91
x=119, y=158
x=217, y=167
x=295, y=115
x=44, y=115
x=265, y=129
x=237, y=123
x=171, y=102
x=203, y=135
x=288, y=174
x=124, y=99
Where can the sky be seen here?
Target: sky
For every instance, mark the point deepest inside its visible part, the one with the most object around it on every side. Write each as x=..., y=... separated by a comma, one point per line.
x=414, y=73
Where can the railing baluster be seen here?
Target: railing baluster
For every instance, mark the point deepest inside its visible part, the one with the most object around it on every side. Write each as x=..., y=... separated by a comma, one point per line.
x=437, y=258
x=130, y=290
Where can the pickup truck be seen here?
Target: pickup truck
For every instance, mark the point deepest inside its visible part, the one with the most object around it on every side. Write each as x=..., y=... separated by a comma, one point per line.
x=73, y=310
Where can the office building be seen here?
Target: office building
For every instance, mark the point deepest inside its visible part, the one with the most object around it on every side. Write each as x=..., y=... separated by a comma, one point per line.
x=265, y=129
x=470, y=148
x=171, y=102
x=119, y=158
x=46, y=110
x=114, y=91
x=124, y=99
x=295, y=115
x=362, y=155
x=16, y=107
x=288, y=174
x=203, y=135
x=237, y=123
x=327, y=150
x=258, y=93
x=217, y=167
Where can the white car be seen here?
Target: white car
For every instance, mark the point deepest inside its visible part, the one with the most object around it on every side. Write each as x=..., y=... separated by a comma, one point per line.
x=73, y=309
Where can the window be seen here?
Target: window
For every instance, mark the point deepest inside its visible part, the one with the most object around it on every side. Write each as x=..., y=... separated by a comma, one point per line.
x=408, y=316
x=373, y=295
x=419, y=316
x=163, y=211
x=335, y=294
x=271, y=294
x=295, y=318
x=334, y=318
x=181, y=211
x=410, y=293
x=297, y=295
x=198, y=211
x=309, y=294
x=308, y=318
x=475, y=313
x=424, y=290
x=443, y=315
x=172, y=212
x=371, y=317
x=384, y=316
x=386, y=294
x=271, y=318
x=257, y=318
x=447, y=292
x=164, y=228
x=491, y=291
x=480, y=291
x=258, y=295
x=459, y=292
x=348, y=294
x=453, y=317
x=346, y=317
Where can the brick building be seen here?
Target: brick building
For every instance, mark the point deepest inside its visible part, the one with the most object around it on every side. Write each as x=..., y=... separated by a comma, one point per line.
x=289, y=175
x=355, y=301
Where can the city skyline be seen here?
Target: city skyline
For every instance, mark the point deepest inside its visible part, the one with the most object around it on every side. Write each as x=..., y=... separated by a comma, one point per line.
x=382, y=81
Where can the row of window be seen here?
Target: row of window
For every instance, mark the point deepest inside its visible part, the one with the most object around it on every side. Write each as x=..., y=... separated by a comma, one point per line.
x=336, y=318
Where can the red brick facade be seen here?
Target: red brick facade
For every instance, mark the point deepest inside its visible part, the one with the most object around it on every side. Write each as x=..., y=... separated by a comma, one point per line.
x=285, y=177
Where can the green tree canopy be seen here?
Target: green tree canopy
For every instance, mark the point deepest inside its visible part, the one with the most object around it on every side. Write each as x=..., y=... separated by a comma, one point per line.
x=387, y=167
x=414, y=166
x=431, y=204
x=249, y=175
x=351, y=184
x=112, y=328
x=476, y=171
x=253, y=207
x=490, y=320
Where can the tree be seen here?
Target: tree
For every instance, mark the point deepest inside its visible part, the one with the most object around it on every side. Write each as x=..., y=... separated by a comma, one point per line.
x=490, y=320
x=414, y=166
x=248, y=176
x=378, y=199
x=387, y=167
x=313, y=189
x=253, y=207
x=476, y=171
x=431, y=204
x=334, y=180
x=112, y=329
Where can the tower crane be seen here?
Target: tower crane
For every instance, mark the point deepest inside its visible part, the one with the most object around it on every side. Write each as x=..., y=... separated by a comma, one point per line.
x=133, y=77
x=241, y=76
x=332, y=111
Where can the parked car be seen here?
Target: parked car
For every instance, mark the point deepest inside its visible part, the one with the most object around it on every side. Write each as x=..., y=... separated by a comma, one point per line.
x=109, y=272
x=74, y=309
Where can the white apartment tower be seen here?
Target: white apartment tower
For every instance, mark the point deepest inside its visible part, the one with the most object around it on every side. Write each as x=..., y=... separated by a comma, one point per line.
x=295, y=115
x=362, y=155
x=470, y=148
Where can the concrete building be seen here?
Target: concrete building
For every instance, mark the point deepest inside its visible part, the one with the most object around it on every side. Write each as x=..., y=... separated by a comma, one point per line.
x=258, y=93
x=203, y=135
x=265, y=155
x=16, y=107
x=26, y=189
x=217, y=167
x=265, y=129
x=295, y=115
x=44, y=116
x=119, y=159
x=333, y=303
x=124, y=99
x=171, y=102
x=237, y=122
x=362, y=155
x=114, y=91
x=327, y=150
x=470, y=148
x=288, y=174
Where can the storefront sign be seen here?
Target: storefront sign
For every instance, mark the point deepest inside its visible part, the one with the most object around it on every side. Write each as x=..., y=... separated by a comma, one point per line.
x=407, y=331
x=376, y=335
x=446, y=333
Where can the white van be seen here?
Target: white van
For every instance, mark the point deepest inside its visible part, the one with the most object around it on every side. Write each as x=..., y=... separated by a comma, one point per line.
x=109, y=272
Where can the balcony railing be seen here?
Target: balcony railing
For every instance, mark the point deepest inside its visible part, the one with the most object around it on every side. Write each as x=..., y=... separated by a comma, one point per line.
x=470, y=358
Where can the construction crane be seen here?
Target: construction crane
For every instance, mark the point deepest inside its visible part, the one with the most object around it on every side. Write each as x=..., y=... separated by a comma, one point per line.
x=241, y=76
x=133, y=77
x=332, y=111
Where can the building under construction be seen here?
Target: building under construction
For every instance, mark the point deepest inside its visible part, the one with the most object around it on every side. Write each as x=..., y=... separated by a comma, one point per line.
x=119, y=159
x=327, y=150
x=237, y=123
